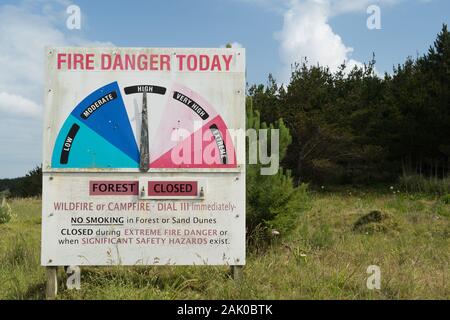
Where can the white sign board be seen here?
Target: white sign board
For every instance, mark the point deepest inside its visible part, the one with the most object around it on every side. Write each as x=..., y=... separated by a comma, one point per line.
x=141, y=161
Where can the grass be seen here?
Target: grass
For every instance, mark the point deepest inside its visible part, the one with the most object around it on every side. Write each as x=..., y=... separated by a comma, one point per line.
x=429, y=185
x=324, y=258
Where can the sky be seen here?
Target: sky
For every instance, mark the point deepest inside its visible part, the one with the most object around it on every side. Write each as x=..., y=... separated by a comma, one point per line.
x=275, y=33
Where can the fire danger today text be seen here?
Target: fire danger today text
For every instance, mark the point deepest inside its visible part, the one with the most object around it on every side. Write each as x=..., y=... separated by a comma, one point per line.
x=199, y=62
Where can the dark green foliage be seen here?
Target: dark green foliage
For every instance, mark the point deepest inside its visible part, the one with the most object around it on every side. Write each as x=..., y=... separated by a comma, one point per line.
x=273, y=203
x=352, y=126
x=28, y=186
x=32, y=184
x=446, y=198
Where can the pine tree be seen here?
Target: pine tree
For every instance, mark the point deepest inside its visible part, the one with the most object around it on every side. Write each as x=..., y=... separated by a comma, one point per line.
x=273, y=203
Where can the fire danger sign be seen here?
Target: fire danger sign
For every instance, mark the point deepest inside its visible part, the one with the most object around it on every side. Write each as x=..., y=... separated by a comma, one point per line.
x=144, y=161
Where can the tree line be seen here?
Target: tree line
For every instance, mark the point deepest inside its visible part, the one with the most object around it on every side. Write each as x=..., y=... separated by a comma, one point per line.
x=28, y=186
x=356, y=127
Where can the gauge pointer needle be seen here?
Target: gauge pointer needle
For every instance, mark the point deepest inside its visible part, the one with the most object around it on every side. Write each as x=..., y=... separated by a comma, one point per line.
x=144, y=152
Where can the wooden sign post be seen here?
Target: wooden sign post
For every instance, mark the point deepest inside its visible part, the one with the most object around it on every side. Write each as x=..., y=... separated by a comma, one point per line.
x=51, y=289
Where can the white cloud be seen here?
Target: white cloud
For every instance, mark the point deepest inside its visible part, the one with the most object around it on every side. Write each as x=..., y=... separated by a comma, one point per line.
x=25, y=30
x=24, y=36
x=307, y=33
x=17, y=105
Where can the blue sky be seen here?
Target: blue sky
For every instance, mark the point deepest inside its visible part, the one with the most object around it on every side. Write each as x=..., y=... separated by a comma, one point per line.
x=274, y=33
x=408, y=28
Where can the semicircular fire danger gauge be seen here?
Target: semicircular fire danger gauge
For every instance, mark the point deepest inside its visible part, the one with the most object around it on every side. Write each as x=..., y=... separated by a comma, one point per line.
x=98, y=132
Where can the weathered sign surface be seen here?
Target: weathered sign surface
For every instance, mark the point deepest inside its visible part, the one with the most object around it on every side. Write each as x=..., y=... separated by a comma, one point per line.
x=141, y=161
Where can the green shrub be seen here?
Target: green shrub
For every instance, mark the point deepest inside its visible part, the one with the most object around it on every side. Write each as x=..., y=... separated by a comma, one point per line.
x=445, y=198
x=4, y=194
x=5, y=212
x=273, y=202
